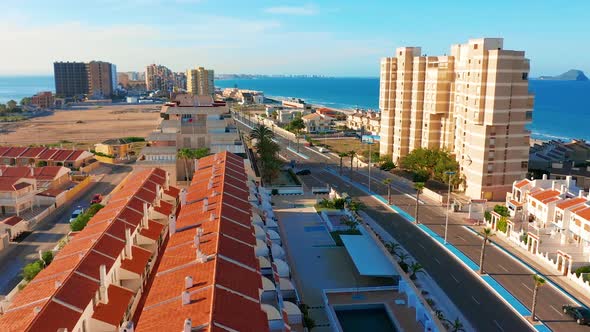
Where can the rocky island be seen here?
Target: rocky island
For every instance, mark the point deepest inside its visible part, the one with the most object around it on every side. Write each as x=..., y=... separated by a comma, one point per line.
x=570, y=75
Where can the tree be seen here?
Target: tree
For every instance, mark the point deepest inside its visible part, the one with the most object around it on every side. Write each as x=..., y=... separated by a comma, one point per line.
x=486, y=233
x=402, y=256
x=392, y=247
x=432, y=163
x=387, y=183
x=539, y=282
x=501, y=210
x=47, y=257
x=456, y=325
x=419, y=186
x=185, y=154
x=415, y=268
x=32, y=269
x=355, y=206
x=25, y=101
x=342, y=155
x=267, y=150
x=295, y=126
x=11, y=105
x=351, y=154
x=261, y=132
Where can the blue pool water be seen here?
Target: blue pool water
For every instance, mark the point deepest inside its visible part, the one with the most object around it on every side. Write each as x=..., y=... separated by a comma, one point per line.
x=369, y=319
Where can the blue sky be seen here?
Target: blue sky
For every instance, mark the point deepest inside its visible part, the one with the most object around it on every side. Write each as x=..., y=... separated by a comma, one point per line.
x=327, y=37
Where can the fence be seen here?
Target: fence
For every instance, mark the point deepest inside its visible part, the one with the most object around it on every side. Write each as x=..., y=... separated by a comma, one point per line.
x=89, y=168
x=79, y=187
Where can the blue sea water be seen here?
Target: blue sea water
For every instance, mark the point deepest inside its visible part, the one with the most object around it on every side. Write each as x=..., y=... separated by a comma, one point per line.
x=561, y=111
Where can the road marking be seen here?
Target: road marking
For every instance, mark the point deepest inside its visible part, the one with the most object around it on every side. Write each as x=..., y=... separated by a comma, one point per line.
x=527, y=287
x=452, y=276
x=558, y=311
x=498, y=325
x=421, y=245
x=503, y=268
x=437, y=261
x=460, y=237
x=474, y=300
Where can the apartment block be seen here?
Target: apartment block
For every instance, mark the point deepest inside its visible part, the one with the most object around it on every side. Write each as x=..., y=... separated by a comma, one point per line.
x=368, y=122
x=101, y=80
x=200, y=81
x=158, y=77
x=96, y=281
x=71, y=79
x=473, y=103
x=43, y=99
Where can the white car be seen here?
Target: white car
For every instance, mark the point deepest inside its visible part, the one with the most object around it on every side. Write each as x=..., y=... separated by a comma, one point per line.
x=324, y=150
x=76, y=213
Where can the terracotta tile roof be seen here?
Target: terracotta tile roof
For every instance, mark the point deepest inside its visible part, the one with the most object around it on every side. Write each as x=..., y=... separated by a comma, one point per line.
x=48, y=154
x=522, y=183
x=172, y=191
x=115, y=309
x=515, y=203
x=32, y=152
x=584, y=213
x=153, y=231
x=138, y=262
x=74, y=155
x=72, y=279
x=165, y=208
x=4, y=149
x=14, y=152
x=11, y=221
x=226, y=287
x=571, y=202
x=545, y=194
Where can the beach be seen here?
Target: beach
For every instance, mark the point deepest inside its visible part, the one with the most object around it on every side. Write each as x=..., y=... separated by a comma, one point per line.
x=83, y=124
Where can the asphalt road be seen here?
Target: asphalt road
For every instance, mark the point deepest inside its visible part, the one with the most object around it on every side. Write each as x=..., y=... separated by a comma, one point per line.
x=52, y=228
x=485, y=310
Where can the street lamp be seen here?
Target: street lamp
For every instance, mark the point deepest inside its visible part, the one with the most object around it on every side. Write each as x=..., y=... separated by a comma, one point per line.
x=367, y=139
x=450, y=174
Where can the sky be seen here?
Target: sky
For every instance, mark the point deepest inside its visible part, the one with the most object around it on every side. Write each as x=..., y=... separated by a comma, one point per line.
x=322, y=37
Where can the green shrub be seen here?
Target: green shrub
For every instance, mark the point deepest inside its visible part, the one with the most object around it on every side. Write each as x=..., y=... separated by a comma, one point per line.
x=421, y=176
x=47, y=257
x=501, y=210
x=502, y=225
x=83, y=219
x=487, y=215
x=387, y=165
x=583, y=269
x=274, y=191
x=134, y=139
x=32, y=269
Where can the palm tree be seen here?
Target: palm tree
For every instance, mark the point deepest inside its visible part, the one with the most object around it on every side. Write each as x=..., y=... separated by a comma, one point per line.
x=342, y=155
x=261, y=133
x=392, y=247
x=419, y=186
x=402, y=256
x=351, y=154
x=539, y=281
x=185, y=154
x=415, y=268
x=456, y=325
x=486, y=233
x=387, y=182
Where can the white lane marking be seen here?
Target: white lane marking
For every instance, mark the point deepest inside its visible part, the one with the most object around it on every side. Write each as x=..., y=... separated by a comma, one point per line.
x=421, y=245
x=503, y=268
x=527, y=287
x=460, y=237
x=498, y=325
x=437, y=261
x=452, y=276
x=474, y=300
x=558, y=311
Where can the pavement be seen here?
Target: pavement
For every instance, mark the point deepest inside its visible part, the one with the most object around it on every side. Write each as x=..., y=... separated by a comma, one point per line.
x=480, y=304
x=53, y=227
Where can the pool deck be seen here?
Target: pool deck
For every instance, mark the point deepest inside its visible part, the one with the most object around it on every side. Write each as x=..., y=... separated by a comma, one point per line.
x=405, y=317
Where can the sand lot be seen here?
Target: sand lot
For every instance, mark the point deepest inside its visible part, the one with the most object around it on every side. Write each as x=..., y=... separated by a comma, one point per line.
x=89, y=124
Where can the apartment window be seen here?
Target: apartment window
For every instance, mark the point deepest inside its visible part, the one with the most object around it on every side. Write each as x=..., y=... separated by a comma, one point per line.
x=524, y=165
x=490, y=168
x=492, y=141
x=475, y=46
x=525, y=76
x=529, y=115
x=491, y=155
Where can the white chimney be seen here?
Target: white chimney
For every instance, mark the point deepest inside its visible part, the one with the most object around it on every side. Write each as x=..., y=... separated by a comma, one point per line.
x=103, y=293
x=205, y=204
x=186, y=297
x=32, y=171
x=158, y=195
x=544, y=176
x=146, y=215
x=563, y=189
x=188, y=282
x=581, y=193
x=172, y=224
x=201, y=258
x=553, y=185
x=182, y=197
x=212, y=217
x=57, y=284
x=210, y=185
x=128, y=243
x=36, y=310
x=196, y=164
x=188, y=325
x=41, y=256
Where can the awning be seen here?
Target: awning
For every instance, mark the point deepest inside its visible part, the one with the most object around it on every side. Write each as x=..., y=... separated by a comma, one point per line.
x=367, y=257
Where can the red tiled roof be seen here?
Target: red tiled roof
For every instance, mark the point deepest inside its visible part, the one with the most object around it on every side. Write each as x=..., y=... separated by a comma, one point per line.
x=138, y=262
x=571, y=202
x=153, y=231
x=62, y=155
x=32, y=152
x=172, y=191
x=585, y=213
x=165, y=208
x=14, y=152
x=11, y=221
x=522, y=183
x=228, y=242
x=74, y=155
x=115, y=309
x=48, y=154
x=545, y=194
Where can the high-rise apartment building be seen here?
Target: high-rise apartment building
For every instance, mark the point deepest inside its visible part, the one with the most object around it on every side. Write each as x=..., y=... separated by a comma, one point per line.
x=71, y=78
x=473, y=103
x=102, y=79
x=158, y=77
x=200, y=81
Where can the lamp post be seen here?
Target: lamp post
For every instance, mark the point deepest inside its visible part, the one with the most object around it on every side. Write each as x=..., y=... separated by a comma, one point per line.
x=450, y=174
x=366, y=139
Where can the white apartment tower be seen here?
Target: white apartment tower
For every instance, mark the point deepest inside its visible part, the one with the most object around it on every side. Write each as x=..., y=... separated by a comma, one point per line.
x=474, y=103
x=200, y=81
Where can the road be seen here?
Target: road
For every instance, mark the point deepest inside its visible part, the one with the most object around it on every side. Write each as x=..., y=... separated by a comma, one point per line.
x=485, y=310
x=52, y=228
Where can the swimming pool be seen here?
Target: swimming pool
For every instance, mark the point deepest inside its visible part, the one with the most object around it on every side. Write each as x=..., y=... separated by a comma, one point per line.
x=372, y=318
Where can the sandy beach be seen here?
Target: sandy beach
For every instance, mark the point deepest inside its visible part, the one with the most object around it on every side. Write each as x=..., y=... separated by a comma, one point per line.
x=89, y=124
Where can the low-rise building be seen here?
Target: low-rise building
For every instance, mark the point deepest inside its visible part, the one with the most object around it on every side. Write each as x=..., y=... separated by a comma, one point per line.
x=287, y=115
x=296, y=103
x=367, y=122
x=46, y=177
x=543, y=156
x=43, y=99
x=17, y=194
x=95, y=282
x=317, y=123
x=117, y=147
x=42, y=156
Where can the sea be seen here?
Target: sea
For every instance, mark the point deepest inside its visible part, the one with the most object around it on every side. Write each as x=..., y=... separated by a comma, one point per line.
x=561, y=109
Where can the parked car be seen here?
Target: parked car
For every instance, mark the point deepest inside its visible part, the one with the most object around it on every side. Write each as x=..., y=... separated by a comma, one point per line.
x=97, y=198
x=303, y=172
x=580, y=314
x=78, y=211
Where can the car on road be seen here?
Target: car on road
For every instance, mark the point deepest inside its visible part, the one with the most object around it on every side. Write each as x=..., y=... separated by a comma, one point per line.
x=303, y=172
x=97, y=198
x=324, y=150
x=580, y=314
x=78, y=211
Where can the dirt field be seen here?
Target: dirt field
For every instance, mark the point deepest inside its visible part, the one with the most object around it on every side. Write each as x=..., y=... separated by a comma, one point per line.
x=87, y=124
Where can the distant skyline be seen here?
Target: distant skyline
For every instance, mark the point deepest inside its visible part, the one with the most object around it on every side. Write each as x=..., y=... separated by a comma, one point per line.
x=328, y=37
